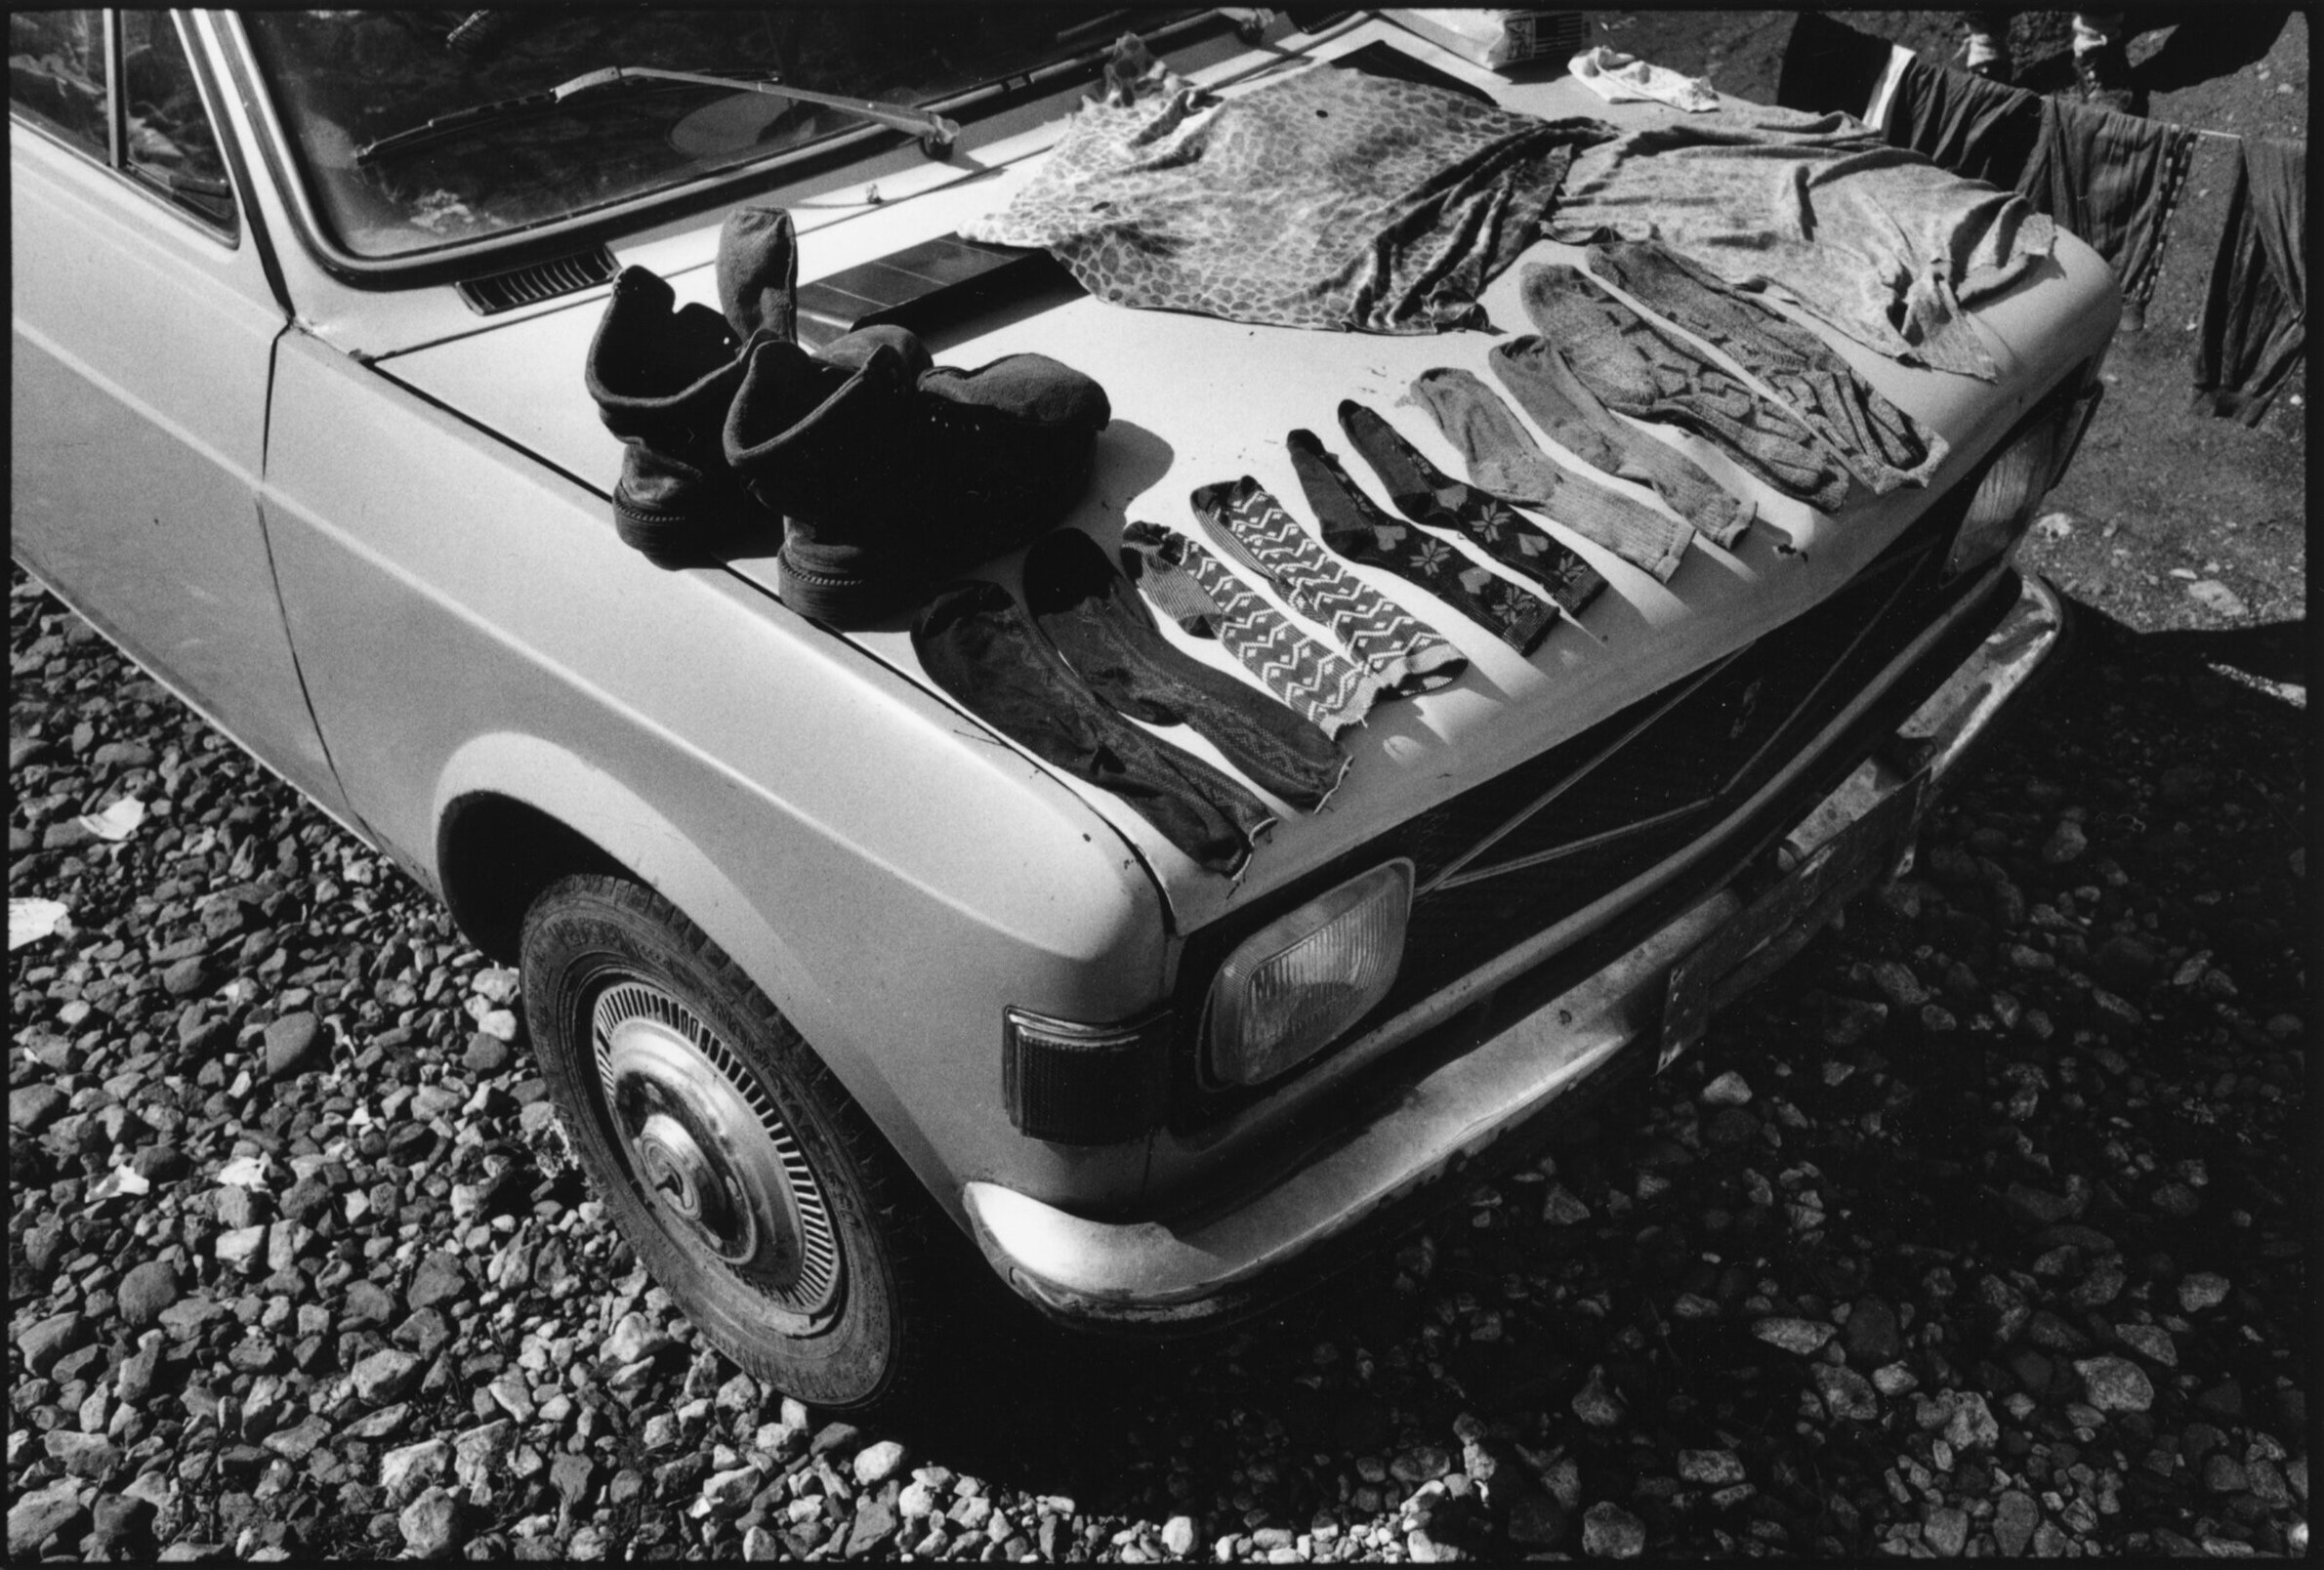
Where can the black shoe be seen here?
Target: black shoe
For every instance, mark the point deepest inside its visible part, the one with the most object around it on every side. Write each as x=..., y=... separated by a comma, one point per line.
x=663, y=380
x=894, y=475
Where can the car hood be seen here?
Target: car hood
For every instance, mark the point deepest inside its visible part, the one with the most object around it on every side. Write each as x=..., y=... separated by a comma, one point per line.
x=1197, y=399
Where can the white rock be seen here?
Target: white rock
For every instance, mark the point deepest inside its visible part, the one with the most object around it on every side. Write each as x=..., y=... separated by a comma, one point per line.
x=1798, y=1335
x=875, y=1463
x=242, y=1248
x=2202, y=1290
x=1728, y=1090
x=405, y=1472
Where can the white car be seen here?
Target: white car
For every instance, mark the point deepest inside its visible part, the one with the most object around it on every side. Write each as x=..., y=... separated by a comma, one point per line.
x=816, y=964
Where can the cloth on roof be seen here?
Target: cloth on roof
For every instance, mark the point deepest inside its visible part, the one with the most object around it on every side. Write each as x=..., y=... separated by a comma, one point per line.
x=1876, y=241
x=2255, y=317
x=1331, y=198
x=2113, y=182
x=1621, y=78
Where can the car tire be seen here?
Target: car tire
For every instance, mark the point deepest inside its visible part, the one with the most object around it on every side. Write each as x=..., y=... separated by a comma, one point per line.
x=752, y=1187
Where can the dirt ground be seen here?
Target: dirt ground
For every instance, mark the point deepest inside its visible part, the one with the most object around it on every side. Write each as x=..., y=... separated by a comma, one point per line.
x=2161, y=498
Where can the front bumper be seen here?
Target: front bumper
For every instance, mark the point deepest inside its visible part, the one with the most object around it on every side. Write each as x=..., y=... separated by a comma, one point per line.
x=1235, y=1259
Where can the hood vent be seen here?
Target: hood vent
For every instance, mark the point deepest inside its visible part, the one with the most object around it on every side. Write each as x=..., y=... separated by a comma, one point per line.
x=497, y=292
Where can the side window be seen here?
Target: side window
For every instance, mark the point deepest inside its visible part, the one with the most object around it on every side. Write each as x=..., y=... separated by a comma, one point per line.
x=56, y=77
x=169, y=143
x=56, y=74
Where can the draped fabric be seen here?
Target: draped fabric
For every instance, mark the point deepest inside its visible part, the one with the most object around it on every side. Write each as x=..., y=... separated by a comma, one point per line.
x=2255, y=319
x=1821, y=210
x=1330, y=198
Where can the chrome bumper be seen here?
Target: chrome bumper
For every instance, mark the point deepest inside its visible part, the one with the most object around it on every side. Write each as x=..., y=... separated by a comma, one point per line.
x=1184, y=1273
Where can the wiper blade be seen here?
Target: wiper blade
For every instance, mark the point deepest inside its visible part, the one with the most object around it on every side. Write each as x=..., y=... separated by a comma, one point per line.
x=935, y=133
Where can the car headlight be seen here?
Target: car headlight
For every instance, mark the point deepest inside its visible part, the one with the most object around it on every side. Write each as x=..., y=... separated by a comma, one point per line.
x=1291, y=988
x=2020, y=476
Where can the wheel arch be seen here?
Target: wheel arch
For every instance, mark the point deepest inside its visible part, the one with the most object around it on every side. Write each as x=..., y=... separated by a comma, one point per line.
x=516, y=813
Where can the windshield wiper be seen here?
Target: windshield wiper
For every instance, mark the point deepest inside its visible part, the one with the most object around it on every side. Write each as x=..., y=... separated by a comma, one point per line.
x=935, y=133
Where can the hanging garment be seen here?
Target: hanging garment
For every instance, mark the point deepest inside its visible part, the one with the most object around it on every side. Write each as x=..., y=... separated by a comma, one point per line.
x=1204, y=596
x=1829, y=65
x=1882, y=445
x=1879, y=242
x=1977, y=128
x=1637, y=369
x=1433, y=499
x=1330, y=198
x=1252, y=527
x=2113, y=181
x=2254, y=318
x=1087, y=608
x=1621, y=78
x=1545, y=388
x=976, y=643
x=1354, y=526
x=1510, y=464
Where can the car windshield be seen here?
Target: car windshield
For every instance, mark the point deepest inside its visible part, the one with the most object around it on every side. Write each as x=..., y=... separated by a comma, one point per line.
x=347, y=80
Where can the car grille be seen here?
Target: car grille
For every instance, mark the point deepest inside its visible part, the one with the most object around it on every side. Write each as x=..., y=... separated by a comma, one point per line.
x=1521, y=852
x=1511, y=857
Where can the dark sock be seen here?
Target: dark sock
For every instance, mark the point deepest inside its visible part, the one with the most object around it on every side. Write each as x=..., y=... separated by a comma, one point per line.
x=1504, y=460
x=1356, y=527
x=1433, y=499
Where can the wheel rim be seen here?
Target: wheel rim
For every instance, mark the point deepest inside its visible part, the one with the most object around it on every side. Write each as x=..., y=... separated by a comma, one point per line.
x=707, y=1150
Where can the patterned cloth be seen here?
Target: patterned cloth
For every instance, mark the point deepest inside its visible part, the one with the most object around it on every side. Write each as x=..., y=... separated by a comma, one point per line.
x=1252, y=527
x=1433, y=499
x=1537, y=376
x=1504, y=460
x=1878, y=241
x=1882, y=445
x=1331, y=198
x=1197, y=591
x=1355, y=525
x=1639, y=369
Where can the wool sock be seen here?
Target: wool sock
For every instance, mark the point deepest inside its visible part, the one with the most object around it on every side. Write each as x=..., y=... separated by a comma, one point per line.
x=1545, y=387
x=1197, y=591
x=1354, y=526
x=1504, y=460
x=1252, y=527
x=1433, y=499
x=1637, y=369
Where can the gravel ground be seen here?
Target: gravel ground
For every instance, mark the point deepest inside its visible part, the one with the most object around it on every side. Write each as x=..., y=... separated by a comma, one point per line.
x=1980, y=1230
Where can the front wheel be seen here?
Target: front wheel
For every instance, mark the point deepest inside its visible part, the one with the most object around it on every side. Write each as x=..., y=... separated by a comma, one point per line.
x=746, y=1179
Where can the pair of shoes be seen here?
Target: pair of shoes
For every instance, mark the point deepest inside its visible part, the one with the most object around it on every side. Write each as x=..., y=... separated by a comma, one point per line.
x=664, y=379
x=2103, y=75
x=881, y=473
x=894, y=473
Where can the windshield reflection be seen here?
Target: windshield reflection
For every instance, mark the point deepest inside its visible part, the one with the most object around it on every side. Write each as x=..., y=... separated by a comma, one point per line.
x=344, y=80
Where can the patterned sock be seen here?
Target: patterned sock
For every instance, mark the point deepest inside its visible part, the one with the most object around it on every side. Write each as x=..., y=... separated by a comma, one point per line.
x=1504, y=460
x=1545, y=387
x=1252, y=527
x=1637, y=369
x=1356, y=527
x=1433, y=499
x=1197, y=589
x=1883, y=445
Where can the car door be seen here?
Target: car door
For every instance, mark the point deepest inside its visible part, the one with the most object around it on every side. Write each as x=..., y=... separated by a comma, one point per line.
x=145, y=327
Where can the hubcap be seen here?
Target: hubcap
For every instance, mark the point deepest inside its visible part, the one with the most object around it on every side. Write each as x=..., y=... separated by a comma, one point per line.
x=708, y=1150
